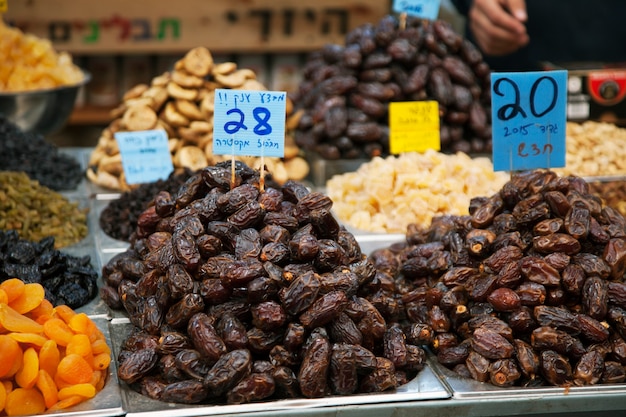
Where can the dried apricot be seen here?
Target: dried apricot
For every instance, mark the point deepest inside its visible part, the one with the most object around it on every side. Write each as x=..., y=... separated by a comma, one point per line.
x=83, y=390
x=67, y=403
x=4, y=298
x=31, y=296
x=26, y=376
x=101, y=361
x=9, y=352
x=64, y=312
x=57, y=330
x=74, y=369
x=3, y=397
x=23, y=401
x=45, y=384
x=16, y=322
x=100, y=346
x=14, y=287
x=42, y=312
x=49, y=357
x=29, y=338
x=79, y=344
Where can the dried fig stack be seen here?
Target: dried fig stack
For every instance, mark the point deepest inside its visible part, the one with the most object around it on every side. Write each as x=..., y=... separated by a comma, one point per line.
x=181, y=102
x=243, y=293
x=527, y=290
x=347, y=88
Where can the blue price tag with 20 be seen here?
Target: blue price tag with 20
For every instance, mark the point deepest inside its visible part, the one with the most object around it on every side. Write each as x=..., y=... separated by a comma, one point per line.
x=528, y=119
x=425, y=9
x=145, y=155
x=249, y=123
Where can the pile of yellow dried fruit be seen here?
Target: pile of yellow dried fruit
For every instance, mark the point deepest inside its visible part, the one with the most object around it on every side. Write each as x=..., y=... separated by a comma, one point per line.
x=51, y=358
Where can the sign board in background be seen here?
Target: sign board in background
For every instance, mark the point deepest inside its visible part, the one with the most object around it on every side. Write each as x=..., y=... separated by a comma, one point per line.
x=147, y=26
x=145, y=155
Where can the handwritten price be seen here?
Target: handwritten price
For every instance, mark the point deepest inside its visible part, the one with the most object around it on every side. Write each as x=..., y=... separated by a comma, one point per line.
x=528, y=113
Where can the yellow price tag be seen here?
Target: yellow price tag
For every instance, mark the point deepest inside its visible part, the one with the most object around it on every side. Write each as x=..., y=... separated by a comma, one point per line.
x=413, y=126
x=4, y=6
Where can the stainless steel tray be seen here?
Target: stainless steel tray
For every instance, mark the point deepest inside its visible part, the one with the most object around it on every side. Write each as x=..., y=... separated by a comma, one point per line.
x=104, y=242
x=108, y=401
x=426, y=386
x=467, y=388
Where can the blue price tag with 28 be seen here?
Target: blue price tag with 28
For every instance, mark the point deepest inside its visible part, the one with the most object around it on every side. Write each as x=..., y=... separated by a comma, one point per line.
x=249, y=123
x=528, y=119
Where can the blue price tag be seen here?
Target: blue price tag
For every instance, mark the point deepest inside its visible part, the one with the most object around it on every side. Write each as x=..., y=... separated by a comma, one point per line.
x=425, y=9
x=528, y=112
x=249, y=123
x=145, y=155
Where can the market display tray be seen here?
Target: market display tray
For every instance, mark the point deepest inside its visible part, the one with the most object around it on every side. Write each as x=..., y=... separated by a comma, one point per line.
x=108, y=401
x=425, y=386
x=467, y=388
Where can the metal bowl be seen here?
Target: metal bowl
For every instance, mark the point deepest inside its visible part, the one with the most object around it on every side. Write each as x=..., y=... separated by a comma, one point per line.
x=41, y=111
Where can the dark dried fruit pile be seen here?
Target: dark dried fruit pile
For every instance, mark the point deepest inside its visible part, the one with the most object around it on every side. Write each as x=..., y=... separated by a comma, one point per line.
x=238, y=295
x=39, y=159
x=67, y=279
x=119, y=218
x=347, y=89
x=528, y=290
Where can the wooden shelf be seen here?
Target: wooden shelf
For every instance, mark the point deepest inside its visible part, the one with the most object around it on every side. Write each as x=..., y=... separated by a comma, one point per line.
x=90, y=115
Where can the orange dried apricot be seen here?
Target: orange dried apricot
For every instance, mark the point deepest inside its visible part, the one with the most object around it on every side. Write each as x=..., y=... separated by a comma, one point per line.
x=101, y=361
x=49, y=357
x=26, y=376
x=57, y=330
x=83, y=390
x=16, y=322
x=79, y=344
x=64, y=312
x=81, y=323
x=100, y=346
x=4, y=298
x=3, y=397
x=30, y=298
x=29, y=338
x=23, y=401
x=14, y=287
x=9, y=352
x=74, y=369
x=16, y=365
x=45, y=384
x=42, y=312
x=66, y=403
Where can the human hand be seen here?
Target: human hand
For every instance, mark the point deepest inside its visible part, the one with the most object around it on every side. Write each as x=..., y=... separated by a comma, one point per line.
x=498, y=26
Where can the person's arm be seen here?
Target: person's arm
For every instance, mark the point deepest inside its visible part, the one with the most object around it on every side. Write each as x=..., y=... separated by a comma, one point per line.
x=498, y=26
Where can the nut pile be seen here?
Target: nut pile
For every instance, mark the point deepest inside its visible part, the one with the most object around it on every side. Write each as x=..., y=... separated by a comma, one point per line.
x=182, y=103
x=594, y=149
x=347, y=88
x=37, y=212
x=67, y=279
x=39, y=159
x=240, y=295
x=386, y=195
x=119, y=218
x=527, y=290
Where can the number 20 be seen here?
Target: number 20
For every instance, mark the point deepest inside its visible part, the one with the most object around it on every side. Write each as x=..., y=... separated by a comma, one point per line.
x=509, y=111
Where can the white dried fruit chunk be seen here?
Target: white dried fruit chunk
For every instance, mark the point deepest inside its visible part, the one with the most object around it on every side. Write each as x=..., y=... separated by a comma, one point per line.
x=387, y=194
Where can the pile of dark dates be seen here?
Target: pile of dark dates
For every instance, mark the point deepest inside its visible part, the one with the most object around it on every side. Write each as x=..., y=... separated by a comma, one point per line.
x=346, y=89
x=527, y=290
x=241, y=292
